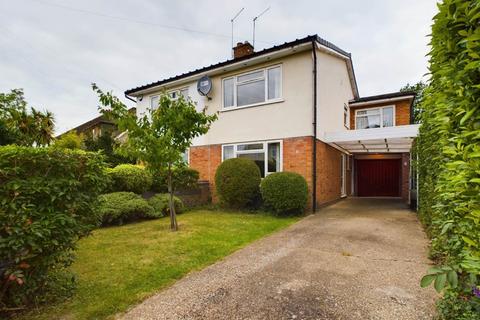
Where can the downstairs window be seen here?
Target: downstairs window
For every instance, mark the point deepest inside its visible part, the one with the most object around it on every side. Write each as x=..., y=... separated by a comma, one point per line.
x=266, y=155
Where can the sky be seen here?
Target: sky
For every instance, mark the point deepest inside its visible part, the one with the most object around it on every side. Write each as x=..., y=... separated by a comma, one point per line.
x=55, y=49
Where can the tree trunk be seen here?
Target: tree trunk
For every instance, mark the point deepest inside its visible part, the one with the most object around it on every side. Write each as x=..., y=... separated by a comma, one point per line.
x=173, y=214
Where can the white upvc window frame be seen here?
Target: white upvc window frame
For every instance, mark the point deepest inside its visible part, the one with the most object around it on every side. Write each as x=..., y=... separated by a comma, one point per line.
x=264, y=149
x=151, y=101
x=178, y=92
x=381, y=115
x=236, y=83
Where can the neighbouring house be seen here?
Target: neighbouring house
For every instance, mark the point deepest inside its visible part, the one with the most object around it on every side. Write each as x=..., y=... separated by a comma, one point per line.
x=296, y=107
x=97, y=126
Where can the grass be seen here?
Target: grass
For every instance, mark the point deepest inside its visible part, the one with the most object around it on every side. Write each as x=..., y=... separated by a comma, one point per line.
x=118, y=267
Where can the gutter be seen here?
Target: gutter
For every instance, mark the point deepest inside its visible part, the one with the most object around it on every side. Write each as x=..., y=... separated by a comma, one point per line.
x=314, y=123
x=129, y=98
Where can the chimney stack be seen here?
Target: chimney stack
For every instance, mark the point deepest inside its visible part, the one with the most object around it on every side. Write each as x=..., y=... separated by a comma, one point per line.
x=242, y=50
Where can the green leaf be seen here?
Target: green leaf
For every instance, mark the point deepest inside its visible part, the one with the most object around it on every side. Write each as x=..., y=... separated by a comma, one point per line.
x=440, y=281
x=469, y=241
x=452, y=278
x=427, y=280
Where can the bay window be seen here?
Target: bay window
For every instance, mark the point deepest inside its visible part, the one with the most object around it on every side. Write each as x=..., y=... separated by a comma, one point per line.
x=252, y=88
x=266, y=155
x=375, y=118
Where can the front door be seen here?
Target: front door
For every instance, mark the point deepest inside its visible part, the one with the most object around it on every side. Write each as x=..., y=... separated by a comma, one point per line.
x=378, y=177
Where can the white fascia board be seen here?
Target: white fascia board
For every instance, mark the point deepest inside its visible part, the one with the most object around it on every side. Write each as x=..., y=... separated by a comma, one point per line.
x=366, y=103
x=407, y=131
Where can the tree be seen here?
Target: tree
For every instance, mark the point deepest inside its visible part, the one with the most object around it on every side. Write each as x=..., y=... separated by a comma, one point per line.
x=159, y=137
x=21, y=126
x=69, y=140
x=107, y=144
x=418, y=88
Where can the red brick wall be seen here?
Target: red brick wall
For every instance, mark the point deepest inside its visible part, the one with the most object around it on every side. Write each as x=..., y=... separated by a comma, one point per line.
x=206, y=159
x=402, y=112
x=297, y=157
x=328, y=173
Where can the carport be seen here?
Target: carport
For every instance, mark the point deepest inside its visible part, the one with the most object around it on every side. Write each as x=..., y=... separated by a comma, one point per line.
x=380, y=159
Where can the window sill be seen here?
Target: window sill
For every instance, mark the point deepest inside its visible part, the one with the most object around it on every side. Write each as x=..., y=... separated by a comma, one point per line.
x=252, y=105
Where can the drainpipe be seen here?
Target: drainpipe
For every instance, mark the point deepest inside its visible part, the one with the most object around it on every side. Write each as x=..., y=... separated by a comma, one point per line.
x=314, y=123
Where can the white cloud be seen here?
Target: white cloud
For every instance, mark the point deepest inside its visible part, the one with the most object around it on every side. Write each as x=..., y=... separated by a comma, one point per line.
x=54, y=53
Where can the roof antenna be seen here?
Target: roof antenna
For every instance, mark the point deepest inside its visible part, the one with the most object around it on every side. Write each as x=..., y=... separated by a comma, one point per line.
x=232, y=20
x=254, y=20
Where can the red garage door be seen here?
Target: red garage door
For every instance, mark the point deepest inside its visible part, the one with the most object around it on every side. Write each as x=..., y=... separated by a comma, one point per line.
x=378, y=178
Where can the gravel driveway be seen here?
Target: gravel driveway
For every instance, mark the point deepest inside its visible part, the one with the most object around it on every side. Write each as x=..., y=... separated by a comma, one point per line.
x=360, y=258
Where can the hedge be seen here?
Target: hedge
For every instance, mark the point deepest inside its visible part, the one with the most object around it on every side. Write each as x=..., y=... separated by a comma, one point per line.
x=284, y=193
x=130, y=178
x=117, y=208
x=237, y=182
x=48, y=198
x=160, y=204
x=448, y=149
x=183, y=177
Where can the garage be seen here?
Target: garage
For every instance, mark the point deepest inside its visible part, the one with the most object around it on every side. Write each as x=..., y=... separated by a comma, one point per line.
x=378, y=177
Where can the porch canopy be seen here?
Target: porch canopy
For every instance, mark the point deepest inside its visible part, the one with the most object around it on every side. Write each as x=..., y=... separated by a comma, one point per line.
x=374, y=140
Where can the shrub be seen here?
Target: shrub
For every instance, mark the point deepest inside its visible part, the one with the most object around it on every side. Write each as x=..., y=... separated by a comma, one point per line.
x=120, y=207
x=130, y=178
x=448, y=149
x=183, y=178
x=48, y=198
x=159, y=202
x=237, y=182
x=70, y=140
x=284, y=193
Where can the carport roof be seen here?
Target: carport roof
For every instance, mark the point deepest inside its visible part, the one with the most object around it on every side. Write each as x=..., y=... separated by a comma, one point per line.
x=375, y=140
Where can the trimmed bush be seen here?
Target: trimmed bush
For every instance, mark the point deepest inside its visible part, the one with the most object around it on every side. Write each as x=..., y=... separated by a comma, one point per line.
x=117, y=208
x=183, y=178
x=48, y=198
x=237, y=182
x=130, y=178
x=284, y=193
x=159, y=202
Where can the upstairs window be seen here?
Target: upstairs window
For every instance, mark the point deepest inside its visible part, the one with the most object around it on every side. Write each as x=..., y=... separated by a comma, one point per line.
x=182, y=92
x=266, y=155
x=375, y=118
x=154, y=102
x=253, y=88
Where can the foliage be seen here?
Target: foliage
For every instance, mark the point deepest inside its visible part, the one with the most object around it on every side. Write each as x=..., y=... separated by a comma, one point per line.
x=160, y=136
x=21, y=126
x=160, y=204
x=117, y=208
x=418, y=88
x=69, y=140
x=183, y=177
x=285, y=193
x=47, y=202
x=237, y=182
x=119, y=266
x=129, y=177
x=108, y=146
x=448, y=149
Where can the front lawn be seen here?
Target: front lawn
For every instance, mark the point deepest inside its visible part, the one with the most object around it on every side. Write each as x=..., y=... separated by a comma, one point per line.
x=118, y=267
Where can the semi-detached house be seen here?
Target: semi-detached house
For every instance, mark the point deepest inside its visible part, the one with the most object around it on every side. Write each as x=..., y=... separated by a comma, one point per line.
x=296, y=107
